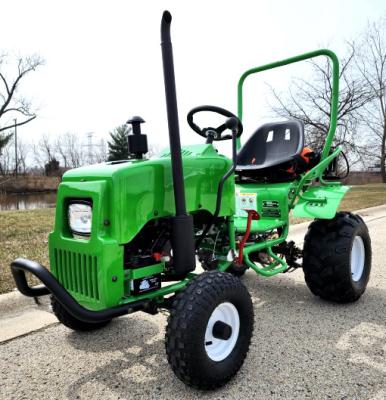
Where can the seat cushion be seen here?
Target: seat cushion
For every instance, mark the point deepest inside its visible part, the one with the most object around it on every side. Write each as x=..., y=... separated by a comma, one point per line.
x=272, y=145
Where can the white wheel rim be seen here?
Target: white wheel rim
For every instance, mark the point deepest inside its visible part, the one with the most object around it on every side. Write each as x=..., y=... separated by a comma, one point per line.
x=219, y=349
x=357, y=259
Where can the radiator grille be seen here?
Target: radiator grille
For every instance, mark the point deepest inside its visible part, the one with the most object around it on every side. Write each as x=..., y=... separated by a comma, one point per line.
x=77, y=272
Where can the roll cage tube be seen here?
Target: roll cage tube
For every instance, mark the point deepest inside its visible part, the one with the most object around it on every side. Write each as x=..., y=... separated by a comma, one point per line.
x=334, y=95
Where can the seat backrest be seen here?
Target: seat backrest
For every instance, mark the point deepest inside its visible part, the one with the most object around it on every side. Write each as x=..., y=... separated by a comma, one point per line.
x=273, y=144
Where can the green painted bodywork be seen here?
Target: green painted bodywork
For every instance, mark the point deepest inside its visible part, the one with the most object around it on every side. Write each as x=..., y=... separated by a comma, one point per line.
x=127, y=195
x=320, y=202
x=138, y=191
x=272, y=215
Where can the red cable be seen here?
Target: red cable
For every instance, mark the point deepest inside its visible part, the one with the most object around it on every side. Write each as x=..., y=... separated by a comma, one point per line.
x=252, y=215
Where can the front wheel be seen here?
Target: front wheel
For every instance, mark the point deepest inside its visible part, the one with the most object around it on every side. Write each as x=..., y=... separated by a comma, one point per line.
x=209, y=330
x=337, y=258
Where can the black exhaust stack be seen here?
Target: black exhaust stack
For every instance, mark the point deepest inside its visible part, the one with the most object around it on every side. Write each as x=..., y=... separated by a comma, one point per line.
x=182, y=224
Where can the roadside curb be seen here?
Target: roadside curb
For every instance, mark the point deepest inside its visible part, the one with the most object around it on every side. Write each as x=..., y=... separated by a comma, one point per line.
x=372, y=211
x=21, y=315
x=15, y=302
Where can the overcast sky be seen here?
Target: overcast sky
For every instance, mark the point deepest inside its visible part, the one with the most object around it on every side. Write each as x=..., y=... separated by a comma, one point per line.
x=103, y=59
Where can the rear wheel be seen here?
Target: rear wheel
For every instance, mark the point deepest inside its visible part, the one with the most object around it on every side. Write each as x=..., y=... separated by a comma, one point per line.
x=209, y=330
x=337, y=258
x=71, y=322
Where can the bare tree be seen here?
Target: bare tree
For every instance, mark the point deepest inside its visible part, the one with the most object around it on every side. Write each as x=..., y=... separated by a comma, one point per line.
x=11, y=105
x=22, y=152
x=70, y=150
x=4, y=140
x=154, y=150
x=44, y=151
x=308, y=100
x=7, y=158
x=371, y=63
x=14, y=109
x=100, y=154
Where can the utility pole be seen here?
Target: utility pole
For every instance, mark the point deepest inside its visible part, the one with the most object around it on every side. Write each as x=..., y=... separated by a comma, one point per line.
x=16, y=166
x=89, y=146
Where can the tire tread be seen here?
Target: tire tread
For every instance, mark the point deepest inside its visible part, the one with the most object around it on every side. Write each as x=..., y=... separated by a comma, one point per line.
x=191, y=304
x=325, y=257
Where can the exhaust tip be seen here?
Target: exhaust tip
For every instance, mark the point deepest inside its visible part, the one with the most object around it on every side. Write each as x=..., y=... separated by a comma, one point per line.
x=167, y=17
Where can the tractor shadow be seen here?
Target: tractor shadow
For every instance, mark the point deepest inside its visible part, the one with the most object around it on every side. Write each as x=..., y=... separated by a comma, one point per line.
x=302, y=347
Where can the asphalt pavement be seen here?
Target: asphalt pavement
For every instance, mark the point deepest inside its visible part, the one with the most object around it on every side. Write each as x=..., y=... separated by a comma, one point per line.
x=303, y=348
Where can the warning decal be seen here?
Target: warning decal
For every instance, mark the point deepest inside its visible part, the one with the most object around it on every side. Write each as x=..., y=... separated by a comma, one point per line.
x=245, y=201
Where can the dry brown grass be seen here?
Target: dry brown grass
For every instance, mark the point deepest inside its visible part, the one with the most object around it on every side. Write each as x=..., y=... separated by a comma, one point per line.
x=24, y=233
x=363, y=196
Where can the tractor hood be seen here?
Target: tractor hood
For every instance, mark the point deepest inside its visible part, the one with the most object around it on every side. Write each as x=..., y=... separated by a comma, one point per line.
x=109, y=169
x=126, y=195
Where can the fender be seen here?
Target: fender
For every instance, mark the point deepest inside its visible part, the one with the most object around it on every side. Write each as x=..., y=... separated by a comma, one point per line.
x=320, y=201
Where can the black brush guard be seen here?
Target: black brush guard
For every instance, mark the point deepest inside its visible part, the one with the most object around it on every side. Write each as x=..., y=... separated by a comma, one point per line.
x=51, y=286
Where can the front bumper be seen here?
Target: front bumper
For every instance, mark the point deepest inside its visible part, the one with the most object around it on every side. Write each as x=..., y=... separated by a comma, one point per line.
x=51, y=286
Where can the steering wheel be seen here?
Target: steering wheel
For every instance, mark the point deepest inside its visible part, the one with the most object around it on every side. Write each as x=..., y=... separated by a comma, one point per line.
x=214, y=133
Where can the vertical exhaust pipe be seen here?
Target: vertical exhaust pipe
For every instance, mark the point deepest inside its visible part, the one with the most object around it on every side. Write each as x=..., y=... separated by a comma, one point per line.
x=182, y=223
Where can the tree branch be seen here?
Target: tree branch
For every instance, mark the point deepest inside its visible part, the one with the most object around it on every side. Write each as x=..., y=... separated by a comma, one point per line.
x=17, y=124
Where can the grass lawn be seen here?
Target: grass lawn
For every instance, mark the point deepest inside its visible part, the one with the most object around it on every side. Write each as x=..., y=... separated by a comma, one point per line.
x=24, y=233
x=364, y=196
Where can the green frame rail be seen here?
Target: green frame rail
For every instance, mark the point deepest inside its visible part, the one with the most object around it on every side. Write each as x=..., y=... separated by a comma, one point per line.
x=279, y=265
x=334, y=95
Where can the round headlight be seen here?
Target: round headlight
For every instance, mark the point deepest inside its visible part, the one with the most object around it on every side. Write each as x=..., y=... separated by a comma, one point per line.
x=79, y=218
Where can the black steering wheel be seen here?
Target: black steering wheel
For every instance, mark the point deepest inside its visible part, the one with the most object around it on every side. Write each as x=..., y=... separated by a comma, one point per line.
x=214, y=133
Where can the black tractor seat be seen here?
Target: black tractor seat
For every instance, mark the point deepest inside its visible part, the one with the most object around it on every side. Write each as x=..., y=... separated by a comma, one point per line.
x=271, y=153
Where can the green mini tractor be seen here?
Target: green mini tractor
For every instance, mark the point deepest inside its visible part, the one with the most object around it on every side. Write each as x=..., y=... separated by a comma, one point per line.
x=129, y=234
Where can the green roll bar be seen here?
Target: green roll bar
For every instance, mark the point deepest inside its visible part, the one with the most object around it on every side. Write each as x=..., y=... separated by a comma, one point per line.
x=335, y=89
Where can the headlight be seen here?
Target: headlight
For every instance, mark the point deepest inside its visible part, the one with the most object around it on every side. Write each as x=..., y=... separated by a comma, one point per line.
x=79, y=218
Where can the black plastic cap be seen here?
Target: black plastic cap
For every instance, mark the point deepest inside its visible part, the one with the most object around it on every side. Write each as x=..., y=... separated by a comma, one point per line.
x=221, y=330
x=167, y=17
x=232, y=123
x=165, y=26
x=135, y=119
x=136, y=122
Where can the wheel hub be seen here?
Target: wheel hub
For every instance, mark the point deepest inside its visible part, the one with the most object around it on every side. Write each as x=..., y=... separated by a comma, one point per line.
x=222, y=331
x=357, y=260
